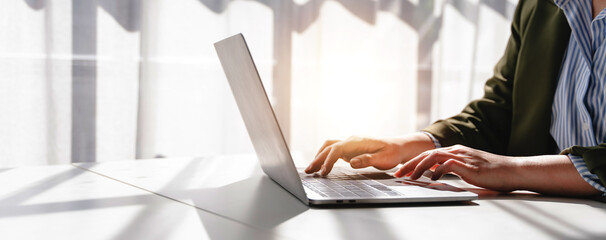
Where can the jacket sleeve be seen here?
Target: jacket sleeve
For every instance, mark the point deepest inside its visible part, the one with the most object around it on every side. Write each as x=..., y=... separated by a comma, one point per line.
x=594, y=158
x=486, y=123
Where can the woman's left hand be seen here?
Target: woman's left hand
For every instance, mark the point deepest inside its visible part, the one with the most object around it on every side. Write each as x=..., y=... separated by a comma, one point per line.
x=476, y=167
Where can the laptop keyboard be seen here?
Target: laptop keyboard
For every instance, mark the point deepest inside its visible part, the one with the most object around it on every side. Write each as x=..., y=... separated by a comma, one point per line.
x=346, y=184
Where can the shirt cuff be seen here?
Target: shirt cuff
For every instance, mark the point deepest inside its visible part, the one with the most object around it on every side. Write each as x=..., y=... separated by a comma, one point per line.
x=434, y=139
x=590, y=178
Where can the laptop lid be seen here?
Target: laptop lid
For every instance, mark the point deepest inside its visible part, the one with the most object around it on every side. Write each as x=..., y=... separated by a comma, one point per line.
x=258, y=115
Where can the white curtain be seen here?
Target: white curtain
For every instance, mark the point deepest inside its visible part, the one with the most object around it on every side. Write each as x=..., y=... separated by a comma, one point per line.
x=108, y=80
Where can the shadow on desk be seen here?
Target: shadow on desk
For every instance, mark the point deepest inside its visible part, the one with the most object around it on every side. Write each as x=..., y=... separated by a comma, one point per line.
x=485, y=194
x=257, y=199
x=529, y=207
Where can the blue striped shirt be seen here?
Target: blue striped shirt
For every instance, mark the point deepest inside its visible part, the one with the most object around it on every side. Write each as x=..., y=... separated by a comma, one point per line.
x=579, y=107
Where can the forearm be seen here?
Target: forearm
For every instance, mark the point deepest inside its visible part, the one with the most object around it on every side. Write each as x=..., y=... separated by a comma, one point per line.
x=551, y=174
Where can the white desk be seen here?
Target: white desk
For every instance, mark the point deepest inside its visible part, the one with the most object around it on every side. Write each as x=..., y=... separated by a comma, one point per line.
x=235, y=187
x=65, y=202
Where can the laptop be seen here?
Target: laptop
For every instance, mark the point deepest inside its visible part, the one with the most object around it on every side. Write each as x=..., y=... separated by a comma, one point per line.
x=342, y=185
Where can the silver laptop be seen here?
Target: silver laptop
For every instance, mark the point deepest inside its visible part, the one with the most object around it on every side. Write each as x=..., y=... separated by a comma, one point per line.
x=342, y=185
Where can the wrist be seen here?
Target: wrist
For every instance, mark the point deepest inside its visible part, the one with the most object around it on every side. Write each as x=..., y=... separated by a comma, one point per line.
x=523, y=169
x=414, y=144
x=549, y=174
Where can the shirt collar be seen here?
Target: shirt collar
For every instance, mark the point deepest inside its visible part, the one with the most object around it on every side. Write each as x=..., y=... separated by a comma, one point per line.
x=602, y=15
x=577, y=3
x=578, y=13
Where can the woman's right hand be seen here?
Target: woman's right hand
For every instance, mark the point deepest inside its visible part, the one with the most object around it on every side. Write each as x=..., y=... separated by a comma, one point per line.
x=362, y=152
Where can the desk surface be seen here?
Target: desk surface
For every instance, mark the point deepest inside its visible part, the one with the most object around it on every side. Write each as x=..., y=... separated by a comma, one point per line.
x=66, y=202
x=235, y=188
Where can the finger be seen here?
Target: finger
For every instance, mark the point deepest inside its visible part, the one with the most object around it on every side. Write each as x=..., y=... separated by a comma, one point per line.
x=453, y=166
x=325, y=145
x=316, y=164
x=362, y=161
x=437, y=157
x=331, y=158
x=411, y=164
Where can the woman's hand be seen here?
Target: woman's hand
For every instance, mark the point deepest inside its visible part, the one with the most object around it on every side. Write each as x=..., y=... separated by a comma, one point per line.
x=364, y=152
x=547, y=174
x=476, y=167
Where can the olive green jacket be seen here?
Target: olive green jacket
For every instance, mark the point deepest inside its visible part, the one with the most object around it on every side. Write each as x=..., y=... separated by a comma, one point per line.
x=514, y=115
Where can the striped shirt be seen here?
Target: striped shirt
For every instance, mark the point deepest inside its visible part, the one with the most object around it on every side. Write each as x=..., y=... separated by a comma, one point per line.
x=579, y=107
